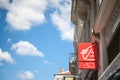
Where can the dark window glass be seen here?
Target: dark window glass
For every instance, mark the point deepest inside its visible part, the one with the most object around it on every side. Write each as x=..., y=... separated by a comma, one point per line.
x=114, y=46
x=115, y=76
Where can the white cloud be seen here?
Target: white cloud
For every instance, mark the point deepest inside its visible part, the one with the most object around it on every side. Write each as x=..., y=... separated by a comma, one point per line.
x=25, y=75
x=24, y=14
x=61, y=19
x=4, y=4
x=26, y=48
x=9, y=40
x=6, y=56
x=47, y=63
x=54, y=3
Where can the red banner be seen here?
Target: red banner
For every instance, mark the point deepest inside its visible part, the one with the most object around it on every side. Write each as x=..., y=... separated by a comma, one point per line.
x=87, y=65
x=87, y=52
x=87, y=55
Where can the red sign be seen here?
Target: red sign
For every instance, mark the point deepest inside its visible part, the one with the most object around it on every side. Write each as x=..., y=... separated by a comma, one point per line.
x=87, y=56
x=87, y=65
x=87, y=52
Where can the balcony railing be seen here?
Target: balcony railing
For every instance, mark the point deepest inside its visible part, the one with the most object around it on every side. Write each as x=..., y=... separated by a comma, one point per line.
x=110, y=69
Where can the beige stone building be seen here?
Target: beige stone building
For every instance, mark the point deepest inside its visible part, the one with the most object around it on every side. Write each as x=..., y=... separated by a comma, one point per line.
x=97, y=21
x=63, y=75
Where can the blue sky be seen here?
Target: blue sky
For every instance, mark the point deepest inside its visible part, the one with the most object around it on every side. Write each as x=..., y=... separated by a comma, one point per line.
x=35, y=38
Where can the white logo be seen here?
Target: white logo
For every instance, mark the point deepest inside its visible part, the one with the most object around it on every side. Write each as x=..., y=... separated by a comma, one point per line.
x=88, y=53
x=88, y=65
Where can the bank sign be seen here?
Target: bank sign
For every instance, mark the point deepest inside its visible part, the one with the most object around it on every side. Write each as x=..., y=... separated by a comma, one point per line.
x=87, y=56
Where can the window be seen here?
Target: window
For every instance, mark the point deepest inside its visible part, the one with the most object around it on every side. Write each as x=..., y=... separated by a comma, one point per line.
x=114, y=46
x=59, y=79
x=115, y=76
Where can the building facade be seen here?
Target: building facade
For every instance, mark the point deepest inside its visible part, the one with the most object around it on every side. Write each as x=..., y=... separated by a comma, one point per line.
x=97, y=21
x=63, y=75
